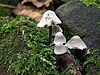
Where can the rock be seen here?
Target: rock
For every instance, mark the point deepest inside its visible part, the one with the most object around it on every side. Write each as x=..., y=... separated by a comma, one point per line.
x=80, y=19
x=57, y=3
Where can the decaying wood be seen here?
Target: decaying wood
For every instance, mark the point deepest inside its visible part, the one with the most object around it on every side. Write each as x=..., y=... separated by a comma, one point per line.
x=65, y=61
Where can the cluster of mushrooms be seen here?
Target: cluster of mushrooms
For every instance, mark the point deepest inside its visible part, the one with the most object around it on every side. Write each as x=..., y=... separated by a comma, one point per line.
x=50, y=20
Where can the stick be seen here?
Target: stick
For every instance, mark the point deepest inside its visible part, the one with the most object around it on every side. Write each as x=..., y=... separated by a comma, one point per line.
x=8, y=6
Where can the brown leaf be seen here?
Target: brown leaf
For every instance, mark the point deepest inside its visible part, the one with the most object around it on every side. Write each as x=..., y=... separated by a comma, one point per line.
x=37, y=3
x=31, y=12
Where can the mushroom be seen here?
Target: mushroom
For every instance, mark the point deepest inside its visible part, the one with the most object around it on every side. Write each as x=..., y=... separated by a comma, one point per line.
x=59, y=38
x=76, y=43
x=77, y=47
x=65, y=60
x=49, y=19
x=59, y=49
x=55, y=29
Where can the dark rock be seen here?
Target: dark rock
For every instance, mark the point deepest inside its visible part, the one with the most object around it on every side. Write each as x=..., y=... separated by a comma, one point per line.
x=57, y=3
x=79, y=19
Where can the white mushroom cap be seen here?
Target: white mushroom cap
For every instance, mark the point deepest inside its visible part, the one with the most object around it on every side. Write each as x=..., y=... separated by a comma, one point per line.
x=42, y=23
x=55, y=29
x=76, y=43
x=59, y=49
x=49, y=17
x=59, y=38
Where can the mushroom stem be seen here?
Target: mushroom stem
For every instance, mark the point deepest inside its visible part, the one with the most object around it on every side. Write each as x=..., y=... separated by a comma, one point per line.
x=50, y=35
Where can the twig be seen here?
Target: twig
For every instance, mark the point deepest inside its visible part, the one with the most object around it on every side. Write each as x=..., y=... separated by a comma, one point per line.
x=8, y=6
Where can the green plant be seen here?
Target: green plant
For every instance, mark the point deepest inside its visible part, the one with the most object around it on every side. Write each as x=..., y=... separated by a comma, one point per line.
x=23, y=48
x=92, y=62
x=5, y=11
x=95, y=3
x=98, y=23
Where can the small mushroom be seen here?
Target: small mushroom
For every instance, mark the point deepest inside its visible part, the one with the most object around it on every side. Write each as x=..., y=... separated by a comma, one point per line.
x=55, y=29
x=76, y=43
x=49, y=19
x=59, y=49
x=65, y=60
x=59, y=38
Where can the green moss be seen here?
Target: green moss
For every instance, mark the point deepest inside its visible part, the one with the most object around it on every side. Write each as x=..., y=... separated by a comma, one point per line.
x=5, y=19
x=8, y=1
x=92, y=63
x=4, y=1
x=95, y=3
x=4, y=11
x=23, y=48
